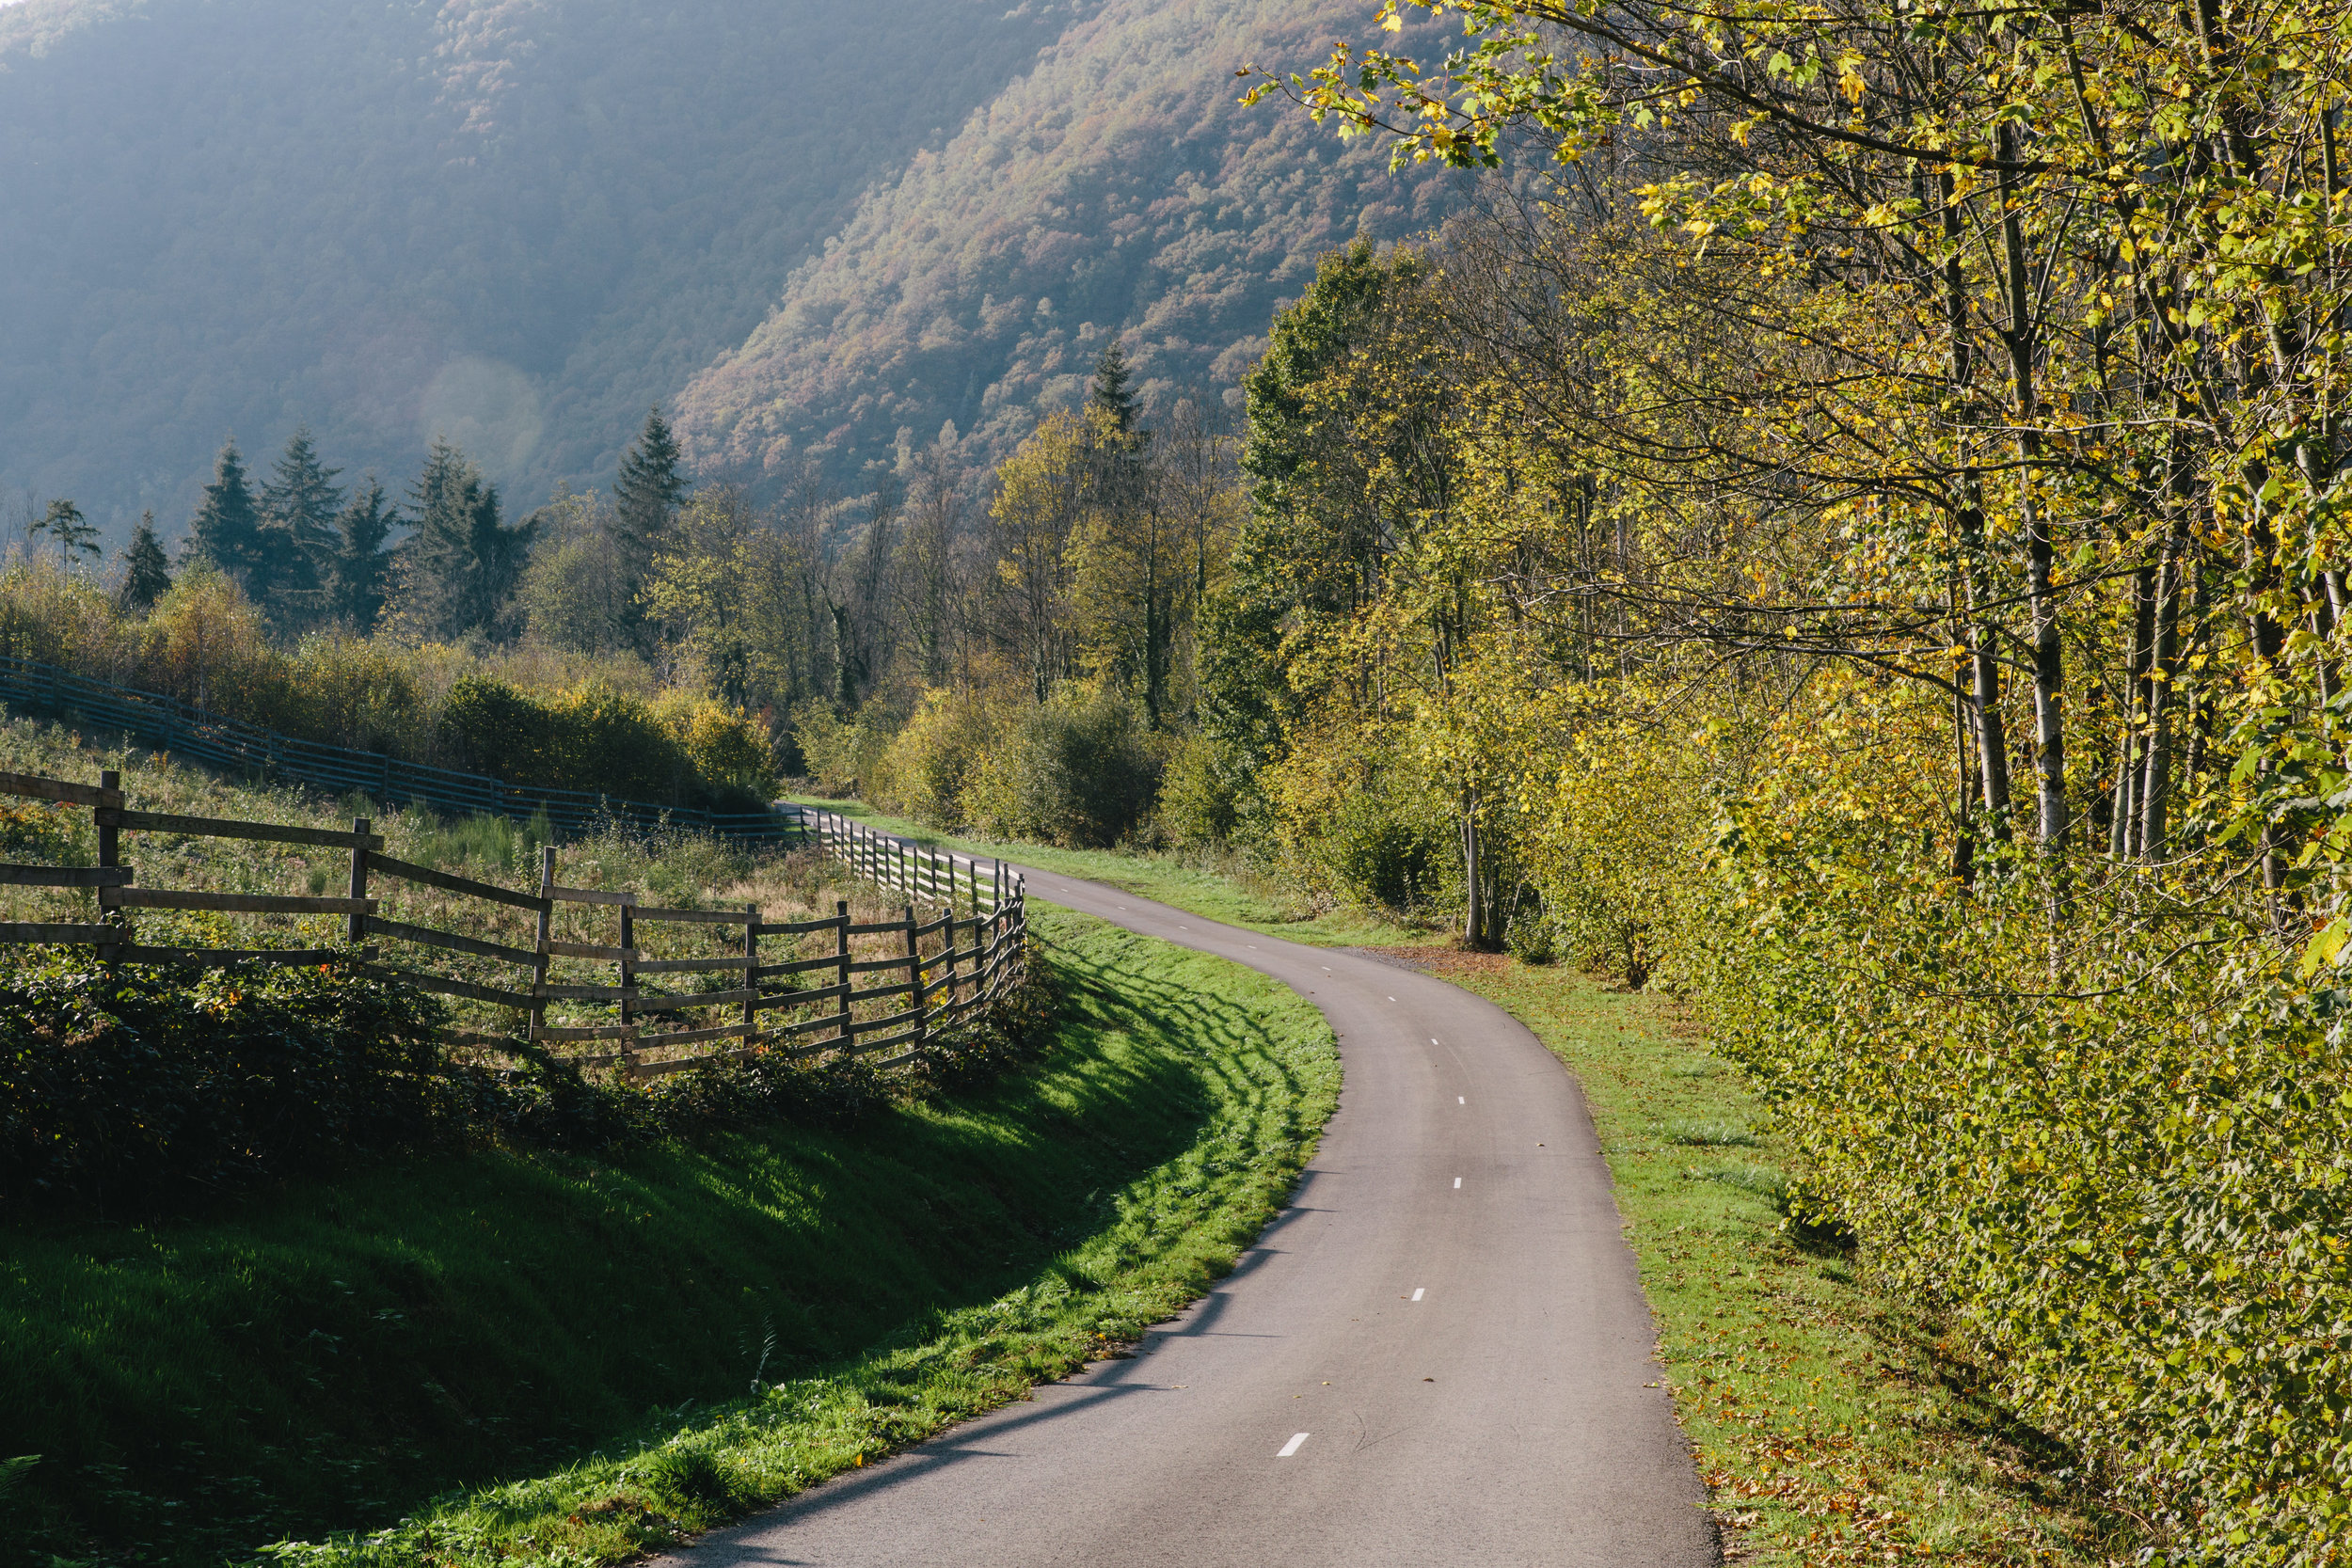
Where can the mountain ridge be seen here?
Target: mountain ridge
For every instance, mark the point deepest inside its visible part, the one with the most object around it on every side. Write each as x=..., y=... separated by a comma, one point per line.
x=970, y=291
x=806, y=225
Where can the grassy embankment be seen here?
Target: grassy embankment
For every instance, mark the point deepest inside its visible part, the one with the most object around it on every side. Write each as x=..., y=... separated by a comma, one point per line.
x=564, y=1350
x=1832, y=1423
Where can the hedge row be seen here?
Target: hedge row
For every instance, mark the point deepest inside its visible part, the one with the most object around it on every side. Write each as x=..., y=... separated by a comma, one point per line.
x=133, y=1088
x=2132, y=1192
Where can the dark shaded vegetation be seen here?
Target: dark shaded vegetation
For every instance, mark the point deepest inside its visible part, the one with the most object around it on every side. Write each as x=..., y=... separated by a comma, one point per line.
x=133, y=1090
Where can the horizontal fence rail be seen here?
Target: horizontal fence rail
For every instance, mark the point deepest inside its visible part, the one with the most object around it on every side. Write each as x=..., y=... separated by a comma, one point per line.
x=212, y=739
x=881, y=986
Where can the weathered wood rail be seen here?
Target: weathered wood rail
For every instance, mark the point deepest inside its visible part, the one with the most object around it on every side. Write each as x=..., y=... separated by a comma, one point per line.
x=888, y=985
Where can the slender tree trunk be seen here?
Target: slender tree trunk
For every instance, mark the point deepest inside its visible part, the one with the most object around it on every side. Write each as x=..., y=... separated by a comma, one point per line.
x=2161, y=676
x=1473, y=874
x=2049, y=659
x=2173, y=586
x=2123, y=840
x=1984, y=671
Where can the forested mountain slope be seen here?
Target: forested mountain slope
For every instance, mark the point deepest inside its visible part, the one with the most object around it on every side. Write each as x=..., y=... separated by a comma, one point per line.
x=517, y=222
x=1118, y=186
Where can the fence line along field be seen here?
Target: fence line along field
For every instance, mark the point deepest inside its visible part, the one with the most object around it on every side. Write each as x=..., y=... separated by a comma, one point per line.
x=649, y=981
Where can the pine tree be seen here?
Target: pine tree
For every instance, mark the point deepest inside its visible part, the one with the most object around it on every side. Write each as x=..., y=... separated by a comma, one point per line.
x=651, y=486
x=459, y=570
x=74, y=534
x=145, y=577
x=298, y=508
x=227, y=528
x=355, y=578
x=1110, y=393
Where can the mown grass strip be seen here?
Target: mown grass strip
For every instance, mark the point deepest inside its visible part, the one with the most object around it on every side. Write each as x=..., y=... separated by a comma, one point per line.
x=1266, y=1074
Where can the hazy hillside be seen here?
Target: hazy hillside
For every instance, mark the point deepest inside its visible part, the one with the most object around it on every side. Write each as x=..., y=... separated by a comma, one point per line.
x=517, y=221
x=1119, y=185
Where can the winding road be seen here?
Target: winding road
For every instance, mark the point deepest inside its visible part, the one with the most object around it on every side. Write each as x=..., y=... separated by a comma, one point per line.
x=1438, y=1354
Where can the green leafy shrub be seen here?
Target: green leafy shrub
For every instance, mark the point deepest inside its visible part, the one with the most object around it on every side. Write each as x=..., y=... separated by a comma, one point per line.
x=1529, y=935
x=528, y=718
x=933, y=759
x=1075, y=770
x=125, y=1087
x=1391, y=853
x=1200, y=792
x=840, y=755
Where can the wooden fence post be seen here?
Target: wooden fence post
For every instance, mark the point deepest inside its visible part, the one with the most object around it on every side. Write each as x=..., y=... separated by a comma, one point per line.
x=109, y=843
x=629, y=982
x=546, y=934
x=914, y=976
x=841, y=915
x=357, y=930
x=751, y=973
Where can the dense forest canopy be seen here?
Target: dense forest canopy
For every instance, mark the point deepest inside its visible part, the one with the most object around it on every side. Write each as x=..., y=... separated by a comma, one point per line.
x=515, y=225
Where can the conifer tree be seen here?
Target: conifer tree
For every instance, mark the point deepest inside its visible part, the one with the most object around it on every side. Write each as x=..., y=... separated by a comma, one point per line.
x=459, y=570
x=72, y=533
x=355, y=578
x=298, y=507
x=651, y=486
x=1110, y=393
x=227, y=528
x=145, y=577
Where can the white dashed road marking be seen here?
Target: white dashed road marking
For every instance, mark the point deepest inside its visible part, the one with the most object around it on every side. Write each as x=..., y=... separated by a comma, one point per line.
x=1291, y=1447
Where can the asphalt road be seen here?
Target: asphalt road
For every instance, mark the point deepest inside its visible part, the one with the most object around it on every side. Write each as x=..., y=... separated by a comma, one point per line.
x=1438, y=1354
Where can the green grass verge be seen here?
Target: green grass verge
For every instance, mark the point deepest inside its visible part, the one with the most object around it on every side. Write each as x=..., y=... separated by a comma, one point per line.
x=1213, y=894
x=563, y=1348
x=1832, y=1424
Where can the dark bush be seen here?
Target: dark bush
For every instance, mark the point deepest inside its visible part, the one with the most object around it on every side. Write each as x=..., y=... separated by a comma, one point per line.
x=119, y=1087
x=148, y=1086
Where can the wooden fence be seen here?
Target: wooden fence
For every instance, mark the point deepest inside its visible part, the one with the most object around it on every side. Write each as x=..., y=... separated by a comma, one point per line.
x=186, y=730
x=887, y=984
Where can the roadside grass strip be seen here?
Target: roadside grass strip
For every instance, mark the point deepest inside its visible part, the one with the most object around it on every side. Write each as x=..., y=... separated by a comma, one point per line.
x=1832, y=1425
x=970, y=1249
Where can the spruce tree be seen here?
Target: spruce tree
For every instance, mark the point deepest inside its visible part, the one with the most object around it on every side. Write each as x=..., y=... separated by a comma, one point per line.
x=651, y=486
x=227, y=528
x=458, y=569
x=1110, y=393
x=298, y=508
x=355, y=580
x=145, y=577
